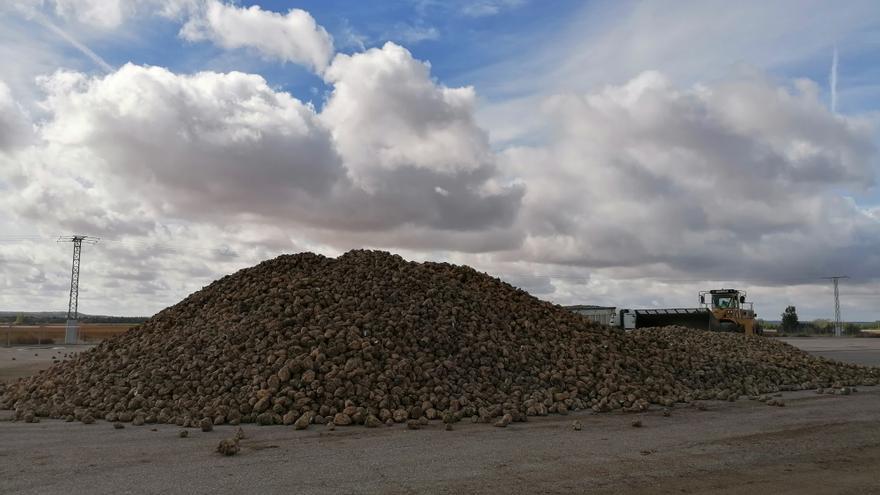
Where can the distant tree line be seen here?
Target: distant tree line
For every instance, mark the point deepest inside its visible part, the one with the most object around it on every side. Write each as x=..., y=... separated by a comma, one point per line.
x=52, y=319
x=791, y=325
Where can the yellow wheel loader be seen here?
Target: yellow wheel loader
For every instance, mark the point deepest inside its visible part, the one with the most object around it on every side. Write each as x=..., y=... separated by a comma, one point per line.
x=724, y=310
x=730, y=309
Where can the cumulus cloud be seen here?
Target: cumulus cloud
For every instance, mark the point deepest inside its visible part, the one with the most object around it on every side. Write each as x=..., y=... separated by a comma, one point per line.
x=189, y=177
x=150, y=144
x=638, y=193
x=292, y=37
x=208, y=140
x=386, y=113
x=402, y=136
x=720, y=180
x=733, y=180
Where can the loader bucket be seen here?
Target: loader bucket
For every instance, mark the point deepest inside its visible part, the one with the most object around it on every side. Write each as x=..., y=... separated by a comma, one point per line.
x=691, y=318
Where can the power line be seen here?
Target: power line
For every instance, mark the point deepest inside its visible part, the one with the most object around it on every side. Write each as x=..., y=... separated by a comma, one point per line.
x=171, y=247
x=22, y=238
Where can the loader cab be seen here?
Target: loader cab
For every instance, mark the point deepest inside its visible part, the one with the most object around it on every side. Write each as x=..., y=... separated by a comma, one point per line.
x=723, y=299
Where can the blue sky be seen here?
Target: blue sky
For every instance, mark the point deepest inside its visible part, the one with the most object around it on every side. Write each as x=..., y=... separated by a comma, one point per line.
x=456, y=43
x=623, y=153
x=463, y=48
x=485, y=47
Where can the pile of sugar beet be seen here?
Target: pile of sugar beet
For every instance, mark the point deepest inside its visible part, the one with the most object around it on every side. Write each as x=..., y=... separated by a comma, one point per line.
x=369, y=338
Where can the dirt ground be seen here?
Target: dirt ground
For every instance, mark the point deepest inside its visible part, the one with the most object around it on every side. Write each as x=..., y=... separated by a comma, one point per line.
x=816, y=444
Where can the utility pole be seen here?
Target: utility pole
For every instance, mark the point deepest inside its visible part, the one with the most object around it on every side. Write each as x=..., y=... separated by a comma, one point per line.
x=838, y=326
x=72, y=327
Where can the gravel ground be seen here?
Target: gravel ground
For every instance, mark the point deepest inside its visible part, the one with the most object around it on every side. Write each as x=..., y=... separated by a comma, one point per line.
x=851, y=350
x=19, y=361
x=816, y=444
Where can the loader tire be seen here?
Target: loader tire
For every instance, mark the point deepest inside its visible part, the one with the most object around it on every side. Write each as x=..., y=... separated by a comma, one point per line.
x=729, y=326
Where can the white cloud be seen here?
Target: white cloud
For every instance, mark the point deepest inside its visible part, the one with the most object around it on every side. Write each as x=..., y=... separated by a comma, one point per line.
x=386, y=113
x=612, y=42
x=104, y=14
x=207, y=143
x=469, y=8
x=622, y=189
x=657, y=34
x=483, y=8
x=15, y=130
x=150, y=145
x=413, y=33
x=156, y=163
x=292, y=37
x=134, y=275
x=101, y=13
x=639, y=183
x=722, y=180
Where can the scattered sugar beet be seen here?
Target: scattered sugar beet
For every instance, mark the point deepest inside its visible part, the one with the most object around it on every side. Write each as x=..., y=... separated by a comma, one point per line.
x=228, y=446
x=206, y=424
x=369, y=338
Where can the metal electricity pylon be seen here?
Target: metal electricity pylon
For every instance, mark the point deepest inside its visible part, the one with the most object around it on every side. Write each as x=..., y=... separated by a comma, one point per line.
x=838, y=326
x=72, y=326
